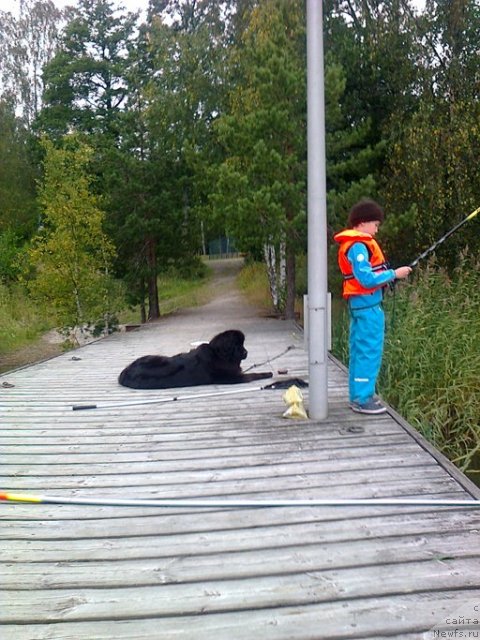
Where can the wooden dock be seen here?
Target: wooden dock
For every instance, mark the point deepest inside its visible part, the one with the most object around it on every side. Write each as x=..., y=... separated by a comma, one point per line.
x=82, y=572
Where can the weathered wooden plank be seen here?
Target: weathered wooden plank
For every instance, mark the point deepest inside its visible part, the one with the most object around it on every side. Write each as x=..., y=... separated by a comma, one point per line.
x=409, y=456
x=91, y=422
x=177, y=443
x=207, y=596
x=13, y=434
x=338, y=620
x=238, y=551
x=346, y=523
x=278, y=477
x=145, y=452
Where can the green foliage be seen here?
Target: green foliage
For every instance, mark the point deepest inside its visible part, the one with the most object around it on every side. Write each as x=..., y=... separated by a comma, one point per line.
x=377, y=46
x=433, y=170
x=17, y=175
x=351, y=160
x=435, y=179
x=85, y=81
x=11, y=256
x=158, y=177
x=262, y=182
x=71, y=255
x=371, y=72
x=396, y=234
x=301, y=281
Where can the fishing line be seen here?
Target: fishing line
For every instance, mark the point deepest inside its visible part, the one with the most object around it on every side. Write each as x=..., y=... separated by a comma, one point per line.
x=443, y=238
x=430, y=250
x=269, y=360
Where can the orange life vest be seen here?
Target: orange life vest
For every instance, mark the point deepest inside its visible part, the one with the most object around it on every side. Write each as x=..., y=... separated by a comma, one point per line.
x=346, y=238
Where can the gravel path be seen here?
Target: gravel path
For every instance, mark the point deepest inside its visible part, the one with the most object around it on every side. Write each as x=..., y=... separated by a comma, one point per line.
x=226, y=308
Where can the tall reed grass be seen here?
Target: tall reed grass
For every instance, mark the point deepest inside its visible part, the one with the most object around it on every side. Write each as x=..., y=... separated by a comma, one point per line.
x=431, y=365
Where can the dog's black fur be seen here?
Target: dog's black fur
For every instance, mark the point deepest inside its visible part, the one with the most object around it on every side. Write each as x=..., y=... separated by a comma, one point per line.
x=217, y=362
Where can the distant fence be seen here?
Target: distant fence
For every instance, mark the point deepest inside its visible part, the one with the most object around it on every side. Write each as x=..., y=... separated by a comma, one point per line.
x=222, y=256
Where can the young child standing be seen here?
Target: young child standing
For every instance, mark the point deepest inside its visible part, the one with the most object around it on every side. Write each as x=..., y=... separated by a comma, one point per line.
x=365, y=275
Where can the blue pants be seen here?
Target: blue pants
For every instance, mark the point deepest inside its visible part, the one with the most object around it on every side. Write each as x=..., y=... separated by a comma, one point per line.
x=367, y=332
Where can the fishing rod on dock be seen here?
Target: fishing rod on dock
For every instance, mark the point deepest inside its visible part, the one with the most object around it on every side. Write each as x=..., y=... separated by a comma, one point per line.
x=241, y=503
x=278, y=384
x=132, y=403
x=443, y=238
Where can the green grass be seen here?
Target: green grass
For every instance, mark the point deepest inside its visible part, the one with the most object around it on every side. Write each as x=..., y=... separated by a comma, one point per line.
x=432, y=359
x=21, y=320
x=253, y=282
x=174, y=293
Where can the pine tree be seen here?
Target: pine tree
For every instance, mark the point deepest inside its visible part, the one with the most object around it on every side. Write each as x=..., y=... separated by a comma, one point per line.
x=261, y=186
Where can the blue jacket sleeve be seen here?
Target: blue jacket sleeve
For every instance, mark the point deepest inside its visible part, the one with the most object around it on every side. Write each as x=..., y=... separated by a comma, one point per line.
x=362, y=269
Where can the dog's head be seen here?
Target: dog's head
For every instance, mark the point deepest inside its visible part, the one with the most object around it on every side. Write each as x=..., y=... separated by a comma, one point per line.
x=229, y=346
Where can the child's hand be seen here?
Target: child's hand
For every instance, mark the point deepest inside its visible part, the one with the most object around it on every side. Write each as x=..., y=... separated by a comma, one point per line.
x=402, y=272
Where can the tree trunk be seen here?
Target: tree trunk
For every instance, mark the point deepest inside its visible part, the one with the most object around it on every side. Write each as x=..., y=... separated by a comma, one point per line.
x=143, y=308
x=153, y=304
x=290, y=284
x=270, y=260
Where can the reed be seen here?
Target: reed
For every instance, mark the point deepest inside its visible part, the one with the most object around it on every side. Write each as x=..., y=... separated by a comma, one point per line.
x=432, y=358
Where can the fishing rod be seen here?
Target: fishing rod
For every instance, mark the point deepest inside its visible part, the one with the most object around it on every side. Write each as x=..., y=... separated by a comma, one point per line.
x=132, y=403
x=443, y=238
x=238, y=503
x=279, y=384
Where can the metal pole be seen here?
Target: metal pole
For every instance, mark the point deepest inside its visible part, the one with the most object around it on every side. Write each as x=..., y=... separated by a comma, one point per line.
x=317, y=217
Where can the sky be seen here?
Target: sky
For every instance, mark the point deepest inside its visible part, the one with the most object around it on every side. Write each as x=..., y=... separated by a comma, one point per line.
x=130, y=5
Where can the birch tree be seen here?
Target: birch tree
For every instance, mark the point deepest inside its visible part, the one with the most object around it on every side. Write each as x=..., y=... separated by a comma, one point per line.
x=27, y=42
x=71, y=255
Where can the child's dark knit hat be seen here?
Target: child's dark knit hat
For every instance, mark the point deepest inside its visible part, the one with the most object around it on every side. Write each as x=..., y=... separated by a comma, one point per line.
x=365, y=211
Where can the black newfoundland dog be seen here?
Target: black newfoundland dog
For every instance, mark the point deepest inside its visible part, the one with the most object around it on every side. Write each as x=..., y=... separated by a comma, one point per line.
x=216, y=362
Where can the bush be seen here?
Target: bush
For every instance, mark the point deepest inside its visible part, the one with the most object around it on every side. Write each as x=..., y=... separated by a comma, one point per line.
x=10, y=256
